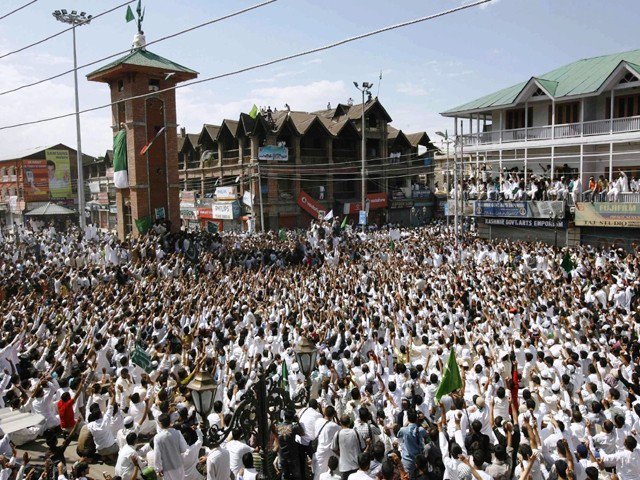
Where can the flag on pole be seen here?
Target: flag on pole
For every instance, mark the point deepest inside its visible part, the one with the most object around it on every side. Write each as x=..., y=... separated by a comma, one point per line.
x=329, y=215
x=253, y=113
x=139, y=8
x=282, y=234
x=146, y=148
x=285, y=377
x=567, y=263
x=451, y=380
x=129, y=17
x=344, y=221
x=120, y=175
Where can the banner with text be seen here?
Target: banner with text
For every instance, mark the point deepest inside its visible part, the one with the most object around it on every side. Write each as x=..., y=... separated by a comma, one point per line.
x=541, y=209
x=59, y=170
x=374, y=201
x=312, y=207
x=271, y=152
x=608, y=214
x=36, y=180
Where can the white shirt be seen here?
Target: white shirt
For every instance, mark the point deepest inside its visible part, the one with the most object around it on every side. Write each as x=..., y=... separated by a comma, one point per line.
x=124, y=465
x=218, y=464
x=359, y=475
x=627, y=463
x=236, y=450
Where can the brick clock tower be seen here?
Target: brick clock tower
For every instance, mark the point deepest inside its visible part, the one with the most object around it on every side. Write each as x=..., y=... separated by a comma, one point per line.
x=153, y=176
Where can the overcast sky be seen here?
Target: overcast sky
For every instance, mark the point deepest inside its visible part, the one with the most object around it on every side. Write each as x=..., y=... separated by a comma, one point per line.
x=427, y=68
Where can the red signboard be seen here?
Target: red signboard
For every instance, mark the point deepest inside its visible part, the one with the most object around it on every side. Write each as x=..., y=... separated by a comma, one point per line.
x=307, y=203
x=103, y=198
x=375, y=201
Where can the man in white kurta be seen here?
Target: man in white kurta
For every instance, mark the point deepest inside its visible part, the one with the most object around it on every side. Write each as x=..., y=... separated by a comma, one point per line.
x=169, y=445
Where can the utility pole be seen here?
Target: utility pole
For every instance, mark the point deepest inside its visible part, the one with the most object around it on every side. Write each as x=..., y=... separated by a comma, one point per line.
x=463, y=219
x=366, y=87
x=457, y=187
x=76, y=19
x=260, y=193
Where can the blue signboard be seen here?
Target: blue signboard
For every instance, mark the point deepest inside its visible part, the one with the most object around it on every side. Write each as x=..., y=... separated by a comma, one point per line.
x=501, y=209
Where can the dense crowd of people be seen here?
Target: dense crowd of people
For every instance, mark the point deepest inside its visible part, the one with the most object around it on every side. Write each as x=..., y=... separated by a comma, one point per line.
x=546, y=342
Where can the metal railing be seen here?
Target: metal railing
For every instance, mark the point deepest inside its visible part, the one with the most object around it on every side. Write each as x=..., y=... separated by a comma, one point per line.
x=544, y=132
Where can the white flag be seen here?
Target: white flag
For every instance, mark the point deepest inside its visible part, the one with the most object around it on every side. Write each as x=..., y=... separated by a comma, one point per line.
x=329, y=215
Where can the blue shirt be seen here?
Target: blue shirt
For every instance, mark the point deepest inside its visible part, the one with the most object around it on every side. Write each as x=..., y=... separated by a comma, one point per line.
x=413, y=438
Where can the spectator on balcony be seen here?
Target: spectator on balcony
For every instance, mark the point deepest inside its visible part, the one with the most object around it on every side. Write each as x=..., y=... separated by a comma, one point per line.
x=634, y=185
x=591, y=190
x=618, y=186
x=558, y=190
x=602, y=187
x=576, y=189
x=493, y=189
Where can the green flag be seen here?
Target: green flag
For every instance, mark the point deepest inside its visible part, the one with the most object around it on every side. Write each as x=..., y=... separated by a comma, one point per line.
x=253, y=113
x=129, y=17
x=344, y=221
x=144, y=224
x=451, y=380
x=392, y=245
x=120, y=176
x=567, y=263
x=285, y=376
x=141, y=358
x=282, y=234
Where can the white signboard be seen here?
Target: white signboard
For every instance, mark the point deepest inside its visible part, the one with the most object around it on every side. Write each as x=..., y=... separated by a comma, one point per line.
x=247, y=199
x=226, y=193
x=222, y=211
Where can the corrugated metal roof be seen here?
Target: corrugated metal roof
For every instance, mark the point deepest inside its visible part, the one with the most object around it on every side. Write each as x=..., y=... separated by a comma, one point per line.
x=144, y=58
x=51, y=209
x=578, y=78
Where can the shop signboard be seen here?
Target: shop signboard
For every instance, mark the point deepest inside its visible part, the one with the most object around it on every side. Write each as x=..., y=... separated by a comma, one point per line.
x=538, y=209
x=611, y=214
x=225, y=210
x=272, y=152
x=527, y=222
x=311, y=206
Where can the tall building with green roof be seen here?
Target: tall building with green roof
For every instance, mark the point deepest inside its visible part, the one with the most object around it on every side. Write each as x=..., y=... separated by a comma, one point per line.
x=577, y=121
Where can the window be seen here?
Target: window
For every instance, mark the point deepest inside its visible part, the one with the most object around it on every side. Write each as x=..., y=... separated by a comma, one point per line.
x=566, y=113
x=538, y=93
x=371, y=121
x=516, y=118
x=628, y=78
x=624, y=106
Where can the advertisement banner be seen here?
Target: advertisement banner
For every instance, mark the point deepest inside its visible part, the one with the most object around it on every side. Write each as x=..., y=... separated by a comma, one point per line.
x=374, y=201
x=36, y=180
x=271, y=152
x=308, y=204
x=608, y=214
x=247, y=199
x=188, y=198
x=501, y=209
x=59, y=170
x=103, y=198
x=226, y=193
x=94, y=187
x=538, y=209
x=225, y=210
x=527, y=222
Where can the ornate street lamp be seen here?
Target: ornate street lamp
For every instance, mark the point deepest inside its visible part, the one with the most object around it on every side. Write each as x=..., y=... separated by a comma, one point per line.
x=203, y=393
x=306, y=353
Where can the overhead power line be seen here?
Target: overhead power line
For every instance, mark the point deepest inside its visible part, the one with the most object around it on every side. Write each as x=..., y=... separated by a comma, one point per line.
x=167, y=37
x=17, y=9
x=46, y=39
x=260, y=65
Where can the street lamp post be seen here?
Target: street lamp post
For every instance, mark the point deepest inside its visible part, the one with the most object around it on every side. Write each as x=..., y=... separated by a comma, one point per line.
x=306, y=353
x=366, y=87
x=203, y=389
x=76, y=19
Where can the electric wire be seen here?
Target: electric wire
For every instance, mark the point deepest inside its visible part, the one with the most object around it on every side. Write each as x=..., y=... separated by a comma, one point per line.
x=259, y=65
x=45, y=39
x=161, y=39
x=17, y=9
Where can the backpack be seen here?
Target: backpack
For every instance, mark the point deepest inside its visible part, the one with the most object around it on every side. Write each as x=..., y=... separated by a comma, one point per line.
x=313, y=446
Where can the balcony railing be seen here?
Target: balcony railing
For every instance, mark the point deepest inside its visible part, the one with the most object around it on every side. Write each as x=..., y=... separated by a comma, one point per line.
x=547, y=132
